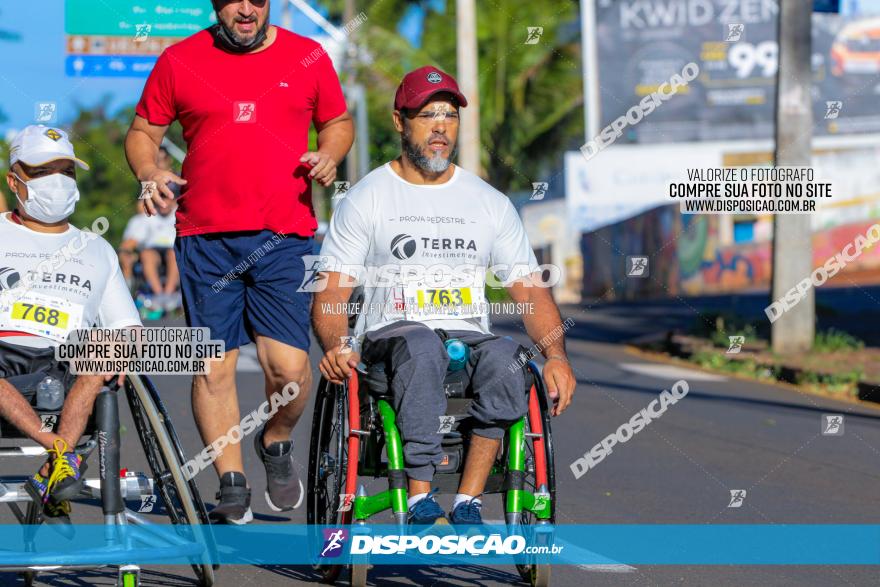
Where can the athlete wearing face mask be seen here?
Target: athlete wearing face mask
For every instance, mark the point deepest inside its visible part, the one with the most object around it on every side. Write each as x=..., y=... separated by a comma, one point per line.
x=48, y=193
x=50, y=198
x=54, y=278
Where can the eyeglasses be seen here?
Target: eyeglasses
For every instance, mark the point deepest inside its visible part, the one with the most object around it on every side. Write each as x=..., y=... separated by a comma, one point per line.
x=438, y=115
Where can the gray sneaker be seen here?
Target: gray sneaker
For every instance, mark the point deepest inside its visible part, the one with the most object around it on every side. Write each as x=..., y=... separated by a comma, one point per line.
x=284, y=488
x=234, y=506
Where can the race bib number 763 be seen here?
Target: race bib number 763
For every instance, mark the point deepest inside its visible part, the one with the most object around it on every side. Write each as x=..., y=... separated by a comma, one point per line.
x=438, y=303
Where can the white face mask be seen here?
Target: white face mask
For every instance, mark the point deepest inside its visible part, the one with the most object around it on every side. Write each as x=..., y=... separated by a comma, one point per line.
x=51, y=198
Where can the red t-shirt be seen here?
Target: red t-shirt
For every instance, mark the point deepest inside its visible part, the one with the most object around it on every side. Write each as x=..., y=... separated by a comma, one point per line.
x=245, y=121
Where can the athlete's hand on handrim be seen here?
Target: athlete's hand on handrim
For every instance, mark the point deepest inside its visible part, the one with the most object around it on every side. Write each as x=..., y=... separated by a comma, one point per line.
x=336, y=366
x=560, y=382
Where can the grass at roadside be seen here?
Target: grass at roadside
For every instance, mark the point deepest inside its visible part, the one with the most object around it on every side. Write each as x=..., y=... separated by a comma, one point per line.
x=839, y=364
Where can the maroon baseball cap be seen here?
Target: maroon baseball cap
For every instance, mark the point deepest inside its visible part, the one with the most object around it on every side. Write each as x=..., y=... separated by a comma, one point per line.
x=418, y=86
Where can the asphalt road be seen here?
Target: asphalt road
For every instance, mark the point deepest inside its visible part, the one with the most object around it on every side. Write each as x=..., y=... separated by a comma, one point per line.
x=725, y=434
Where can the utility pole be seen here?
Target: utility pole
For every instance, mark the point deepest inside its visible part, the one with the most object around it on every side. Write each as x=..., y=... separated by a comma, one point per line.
x=286, y=16
x=357, y=161
x=794, y=331
x=351, y=160
x=469, y=135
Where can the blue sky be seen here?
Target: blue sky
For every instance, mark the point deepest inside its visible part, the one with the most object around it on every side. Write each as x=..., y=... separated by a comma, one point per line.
x=32, y=69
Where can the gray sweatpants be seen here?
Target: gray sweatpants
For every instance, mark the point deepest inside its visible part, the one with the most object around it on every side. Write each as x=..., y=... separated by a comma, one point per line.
x=416, y=362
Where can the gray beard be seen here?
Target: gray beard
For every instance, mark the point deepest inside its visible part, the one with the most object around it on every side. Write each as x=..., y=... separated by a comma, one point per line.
x=434, y=164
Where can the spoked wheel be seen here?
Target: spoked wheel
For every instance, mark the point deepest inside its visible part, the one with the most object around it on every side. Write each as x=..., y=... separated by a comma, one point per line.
x=540, y=470
x=328, y=463
x=165, y=457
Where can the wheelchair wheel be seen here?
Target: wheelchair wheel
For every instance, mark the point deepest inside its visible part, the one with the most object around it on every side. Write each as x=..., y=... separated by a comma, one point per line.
x=165, y=457
x=328, y=463
x=540, y=466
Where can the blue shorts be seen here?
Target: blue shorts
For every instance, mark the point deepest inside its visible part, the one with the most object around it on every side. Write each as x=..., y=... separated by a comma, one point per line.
x=245, y=284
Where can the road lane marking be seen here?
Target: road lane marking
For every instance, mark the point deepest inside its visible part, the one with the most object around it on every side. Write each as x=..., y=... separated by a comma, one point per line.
x=621, y=568
x=660, y=371
x=608, y=565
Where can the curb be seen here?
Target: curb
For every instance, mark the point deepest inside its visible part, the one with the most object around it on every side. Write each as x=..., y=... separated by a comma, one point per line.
x=671, y=344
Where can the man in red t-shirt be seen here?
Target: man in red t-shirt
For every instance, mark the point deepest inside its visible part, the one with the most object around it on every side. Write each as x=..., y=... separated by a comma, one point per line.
x=245, y=94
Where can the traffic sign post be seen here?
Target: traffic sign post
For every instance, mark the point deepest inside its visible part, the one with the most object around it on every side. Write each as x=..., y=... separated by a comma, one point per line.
x=826, y=6
x=122, y=38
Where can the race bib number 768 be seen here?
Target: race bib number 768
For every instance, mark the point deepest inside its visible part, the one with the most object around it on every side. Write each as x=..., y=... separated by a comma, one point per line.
x=42, y=315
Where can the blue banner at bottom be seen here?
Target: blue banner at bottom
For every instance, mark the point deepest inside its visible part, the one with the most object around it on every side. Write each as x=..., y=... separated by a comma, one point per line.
x=292, y=544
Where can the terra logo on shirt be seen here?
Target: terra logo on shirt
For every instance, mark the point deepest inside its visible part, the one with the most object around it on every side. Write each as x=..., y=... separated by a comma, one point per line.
x=403, y=246
x=9, y=278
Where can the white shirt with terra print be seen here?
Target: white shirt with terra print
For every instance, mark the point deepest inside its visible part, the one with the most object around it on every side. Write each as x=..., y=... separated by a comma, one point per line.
x=458, y=226
x=65, y=288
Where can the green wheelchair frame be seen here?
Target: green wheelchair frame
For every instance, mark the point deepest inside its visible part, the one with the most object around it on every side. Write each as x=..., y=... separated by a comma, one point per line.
x=351, y=428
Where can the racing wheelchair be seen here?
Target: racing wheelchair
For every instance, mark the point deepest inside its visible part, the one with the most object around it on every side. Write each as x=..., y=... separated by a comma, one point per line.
x=114, y=487
x=354, y=436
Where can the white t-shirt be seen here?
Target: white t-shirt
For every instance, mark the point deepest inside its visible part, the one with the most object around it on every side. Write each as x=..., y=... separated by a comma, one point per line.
x=151, y=232
x=463, y=224
x=53, y=283
x=136, y=229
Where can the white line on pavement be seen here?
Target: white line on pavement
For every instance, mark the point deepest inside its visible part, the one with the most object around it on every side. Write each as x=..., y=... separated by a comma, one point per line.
x=660, y=371
x=607, y=568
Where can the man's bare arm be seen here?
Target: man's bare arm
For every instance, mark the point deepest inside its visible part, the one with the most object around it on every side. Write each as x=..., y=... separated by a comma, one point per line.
x=544, y=326
x=74, y=415
x=78, y=405
x=142, y=152
x=330, y=322
x=335, y=138
x=541, y=317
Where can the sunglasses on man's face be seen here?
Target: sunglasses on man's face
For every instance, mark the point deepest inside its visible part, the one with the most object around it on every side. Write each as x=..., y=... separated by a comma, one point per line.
x=220, y=4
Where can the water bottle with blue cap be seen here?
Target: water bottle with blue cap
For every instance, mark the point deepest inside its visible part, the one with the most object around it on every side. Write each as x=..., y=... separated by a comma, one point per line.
x=458, y=352
x=50, y=394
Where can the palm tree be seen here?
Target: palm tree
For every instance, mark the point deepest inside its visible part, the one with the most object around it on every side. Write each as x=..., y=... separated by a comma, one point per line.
x=531, y=95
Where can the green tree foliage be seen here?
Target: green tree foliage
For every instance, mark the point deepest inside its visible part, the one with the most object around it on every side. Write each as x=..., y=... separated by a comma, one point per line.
x=108, y=189
x=531, y=96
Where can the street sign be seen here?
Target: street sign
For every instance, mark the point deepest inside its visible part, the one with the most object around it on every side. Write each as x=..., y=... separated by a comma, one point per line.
x=826, y=6
x=168, y=18
x=107, y=45
x=109, y=65
x=122, y=38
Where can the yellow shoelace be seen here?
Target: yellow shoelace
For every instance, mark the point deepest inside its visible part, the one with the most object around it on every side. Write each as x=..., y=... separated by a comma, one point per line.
x=61, y=469
x=54, y=510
